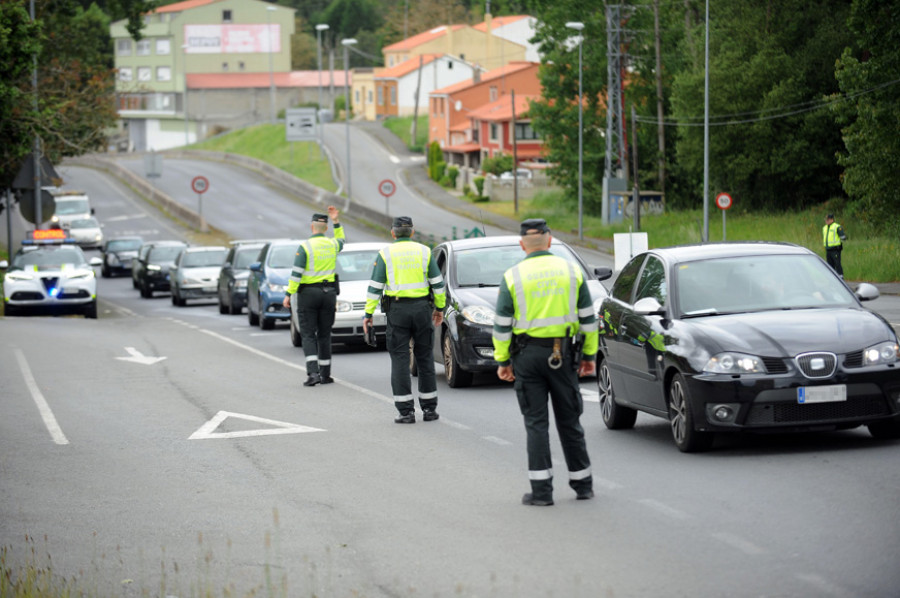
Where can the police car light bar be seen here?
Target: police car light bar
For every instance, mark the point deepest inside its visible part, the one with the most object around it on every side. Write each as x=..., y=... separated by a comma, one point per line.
x=46, y=236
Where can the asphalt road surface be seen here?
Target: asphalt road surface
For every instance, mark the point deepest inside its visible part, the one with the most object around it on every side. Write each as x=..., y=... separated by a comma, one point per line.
x=164, y=450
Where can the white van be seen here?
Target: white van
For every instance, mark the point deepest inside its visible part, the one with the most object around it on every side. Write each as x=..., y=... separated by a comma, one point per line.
x=71, y=205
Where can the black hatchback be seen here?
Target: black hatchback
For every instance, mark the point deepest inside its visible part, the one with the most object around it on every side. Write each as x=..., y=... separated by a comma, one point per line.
x=151, y=273
x=744, y=337
x=117, y=255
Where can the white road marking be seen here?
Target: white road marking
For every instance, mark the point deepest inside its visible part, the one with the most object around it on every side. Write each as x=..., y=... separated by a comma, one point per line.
x=590, y=395
x=138, y=357
x=739, y=543
x=43, y=407
x=607, y=484
x=394, y=159
x=664, y=509
x=496, y=440
x=456, y=425
x=125, y=217
x=208, y=430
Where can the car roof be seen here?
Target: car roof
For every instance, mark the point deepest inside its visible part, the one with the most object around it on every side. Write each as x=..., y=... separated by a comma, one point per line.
x=200, y=248
x=484, y=242
x=125, y=238
x=259, y=242
x=166, y=243
x=705, y=251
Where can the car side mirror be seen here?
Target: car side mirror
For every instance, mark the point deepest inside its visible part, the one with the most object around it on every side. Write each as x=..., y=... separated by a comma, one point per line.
x=603, y=273
x=96, y=261
x=649, y=306
x=4, y=264
x=256, y=266
x=867, y=292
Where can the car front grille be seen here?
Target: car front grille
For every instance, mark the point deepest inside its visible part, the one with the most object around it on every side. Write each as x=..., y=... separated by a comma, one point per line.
x=853, y=360
x=775, y=365
x=26, y=296
x=816, y=365
x=810, y=413
x=79, y=294
x=50, y=283
x=359, y=305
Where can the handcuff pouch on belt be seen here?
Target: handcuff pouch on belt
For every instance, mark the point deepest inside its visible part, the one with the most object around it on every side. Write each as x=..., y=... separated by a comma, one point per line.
x=386, y=301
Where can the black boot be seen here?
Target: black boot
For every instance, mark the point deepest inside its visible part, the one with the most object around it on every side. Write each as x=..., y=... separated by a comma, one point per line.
x=325, y=375
x=312, y=380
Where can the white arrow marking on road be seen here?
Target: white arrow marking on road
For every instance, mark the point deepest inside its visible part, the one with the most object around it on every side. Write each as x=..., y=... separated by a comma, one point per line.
x=208, y=430
x=138, y=357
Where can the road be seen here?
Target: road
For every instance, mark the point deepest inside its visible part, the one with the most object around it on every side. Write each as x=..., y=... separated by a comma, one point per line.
x=214, y=468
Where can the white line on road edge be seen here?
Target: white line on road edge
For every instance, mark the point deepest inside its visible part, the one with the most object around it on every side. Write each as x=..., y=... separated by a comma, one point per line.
x=49, y=420
x=496, y=440
x=664, y=509
x=745, y=546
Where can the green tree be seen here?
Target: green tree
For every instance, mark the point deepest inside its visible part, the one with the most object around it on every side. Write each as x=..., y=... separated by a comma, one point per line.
x=869, y=77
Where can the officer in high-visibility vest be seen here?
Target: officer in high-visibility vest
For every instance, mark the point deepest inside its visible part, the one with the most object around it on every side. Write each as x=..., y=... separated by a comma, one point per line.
x=543, y=307
x=833, y=235
x=313, y=279
x=407, y=275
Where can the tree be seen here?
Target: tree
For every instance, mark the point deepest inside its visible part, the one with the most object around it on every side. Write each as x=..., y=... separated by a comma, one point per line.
x=868, y=77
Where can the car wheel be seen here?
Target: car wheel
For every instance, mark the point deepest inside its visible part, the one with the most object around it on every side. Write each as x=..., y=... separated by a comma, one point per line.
x=90, y=311
x=616, y=417
x=134, y=283
x=889, y=430
x=232, y=308
x=104, y=271
x=223, y=309
x=456, y=377
x=296, y=339
x=266, y=323
x=681, y=420
x=413, y=366
x=10, y=310
x=252, y=318
x=146, y=291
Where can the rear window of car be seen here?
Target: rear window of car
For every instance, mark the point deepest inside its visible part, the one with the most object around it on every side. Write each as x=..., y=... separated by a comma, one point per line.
x=282, y=256
x=164, y=254
x=485, y=266
x=123, y=245
x=245, y=256
x=202, y=259
x=72, y=206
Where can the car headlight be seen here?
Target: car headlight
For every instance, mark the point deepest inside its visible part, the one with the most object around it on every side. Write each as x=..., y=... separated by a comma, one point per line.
x=734, y=363
x=275, y=288
x=881, y=354
x=479, y=314
x=343, y=306
x=240, y=284
x=19, y=276
x=153, y=268
x=188, y=280
x=81, y=274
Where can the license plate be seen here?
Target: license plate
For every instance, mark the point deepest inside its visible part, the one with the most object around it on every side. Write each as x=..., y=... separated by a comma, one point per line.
x=210, y=290
x=822, y=394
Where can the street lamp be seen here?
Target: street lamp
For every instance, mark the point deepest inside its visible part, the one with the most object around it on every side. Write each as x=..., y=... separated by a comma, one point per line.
x=269, y=10
x=319, y=29
x=184, y=48
x=577, y=26
x=347, y=43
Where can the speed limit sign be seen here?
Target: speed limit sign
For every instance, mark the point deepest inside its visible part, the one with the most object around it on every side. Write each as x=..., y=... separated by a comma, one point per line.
x=200, y=184
x=387, y=187
x=723, y=200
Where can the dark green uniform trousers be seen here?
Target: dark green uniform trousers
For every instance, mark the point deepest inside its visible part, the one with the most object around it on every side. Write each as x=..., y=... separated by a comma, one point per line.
x=315, y=305
x=534, y=380
x=411, y=319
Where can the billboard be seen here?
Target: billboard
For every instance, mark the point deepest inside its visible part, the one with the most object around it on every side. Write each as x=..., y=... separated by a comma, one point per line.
x=232, y=39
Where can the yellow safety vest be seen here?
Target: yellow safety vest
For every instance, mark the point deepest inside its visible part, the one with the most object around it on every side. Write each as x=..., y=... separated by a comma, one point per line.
x=406, y=267
x=545, y=295
x=830, y=235
x=321, y=260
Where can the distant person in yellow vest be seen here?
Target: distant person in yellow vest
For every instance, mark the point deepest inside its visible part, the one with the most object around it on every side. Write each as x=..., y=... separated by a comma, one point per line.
x=313, y=279
x=834, y=237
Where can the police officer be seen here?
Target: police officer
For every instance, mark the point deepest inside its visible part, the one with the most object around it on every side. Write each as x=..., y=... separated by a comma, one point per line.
x=406, y=274
x=543, y=305
x=833, y=235
x=313, y=279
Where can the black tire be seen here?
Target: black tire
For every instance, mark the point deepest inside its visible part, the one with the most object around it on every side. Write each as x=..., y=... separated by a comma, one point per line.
x=266, y=323
x=223, y=309
x=234, y=309
x=888, y=430
x=146, y=291
x=134, y=283
x=252, y=318
x=104, y=271
x=296, y=339
x=413, y=366
x=90, y=312
x=615, y=416
x=456, y=377
x=681, y=420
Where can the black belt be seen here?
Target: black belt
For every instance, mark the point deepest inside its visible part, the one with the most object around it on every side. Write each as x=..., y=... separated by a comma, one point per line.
x=524, y=339
x=409, y=299
x=324, y=283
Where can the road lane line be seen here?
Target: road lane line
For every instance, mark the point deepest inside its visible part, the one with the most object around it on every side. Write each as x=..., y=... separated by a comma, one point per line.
x=663, y=508
x=745, y=546
x=497, y=441
x=46, y=413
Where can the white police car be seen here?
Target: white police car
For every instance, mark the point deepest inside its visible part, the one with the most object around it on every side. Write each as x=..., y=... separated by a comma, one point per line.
x=50, y=275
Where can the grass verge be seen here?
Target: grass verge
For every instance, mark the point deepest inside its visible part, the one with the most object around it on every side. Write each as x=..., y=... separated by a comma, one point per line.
x=401, y=126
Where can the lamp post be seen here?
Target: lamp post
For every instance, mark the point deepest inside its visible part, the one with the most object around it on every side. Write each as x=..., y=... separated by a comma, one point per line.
x=269, y=10
x=578, y=26
x=319, y=29
x=184, y=49
x=347, y=43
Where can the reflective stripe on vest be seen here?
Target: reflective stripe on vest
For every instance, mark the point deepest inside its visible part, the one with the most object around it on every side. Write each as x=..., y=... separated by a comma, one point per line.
x=409, y=261
x=830, y=235
x=522, y=320
x=327, y=260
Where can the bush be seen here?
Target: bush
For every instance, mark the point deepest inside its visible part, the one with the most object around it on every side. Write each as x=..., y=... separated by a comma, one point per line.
x=497, y=164
x=479, y=184
x=452, y=174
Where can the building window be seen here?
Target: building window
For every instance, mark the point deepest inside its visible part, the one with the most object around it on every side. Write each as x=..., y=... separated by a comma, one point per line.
x=370, y=96
x=226, y=16
x=143, y=48
x=393, y=96
x=390, y=61
x=123, y=47
x=224, y=67
x=493, y=94
x=495, y=132
x=356, y=96
x=526, y=132
x=241, y=65
x=381, y=96
x=449, y=65
x=163, y=46
x=144, y=73
x=163, y=73
x=125, y=74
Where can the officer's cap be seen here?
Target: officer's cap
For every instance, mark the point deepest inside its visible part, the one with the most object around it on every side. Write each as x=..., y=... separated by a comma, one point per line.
x=320, y=218
x=534, y=226
x=829, y=216
x=401, y=221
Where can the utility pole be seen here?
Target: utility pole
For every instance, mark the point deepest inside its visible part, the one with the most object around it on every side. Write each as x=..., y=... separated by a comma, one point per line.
x=660, y=129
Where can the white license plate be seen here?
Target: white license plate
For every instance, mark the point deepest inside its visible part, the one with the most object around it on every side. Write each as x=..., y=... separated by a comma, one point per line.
x=209, y=289
x=822, y=394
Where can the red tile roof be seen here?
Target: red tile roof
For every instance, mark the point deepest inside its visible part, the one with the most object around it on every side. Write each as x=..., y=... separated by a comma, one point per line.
x=463, y=148
x=261, y=80
x=419, y=39
x=501, y=110
x=180, y=6
x=405, y=67
x=499, y=22
x=507, y=69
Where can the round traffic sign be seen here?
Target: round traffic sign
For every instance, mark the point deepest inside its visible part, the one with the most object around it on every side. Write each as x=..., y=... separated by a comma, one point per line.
x=200, y=184
x=387, y=187
x=723, y=200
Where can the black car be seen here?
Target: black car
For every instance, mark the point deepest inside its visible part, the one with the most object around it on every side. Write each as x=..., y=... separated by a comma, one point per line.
x=472, y=270
x=744, y=337
x=117, y=255
x=152, y=269
x=232, y=285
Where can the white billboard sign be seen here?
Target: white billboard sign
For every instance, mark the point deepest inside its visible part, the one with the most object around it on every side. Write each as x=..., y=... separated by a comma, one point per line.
x=232, y=39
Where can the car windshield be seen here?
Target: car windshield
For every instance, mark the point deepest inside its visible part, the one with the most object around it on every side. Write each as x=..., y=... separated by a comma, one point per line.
x=202, y=259
x=48, y=258
x=72, y=206
x=164, y=254
x=244, y=257
x=282, y=256
x=485, y=266
x=757, y=283
x=356, y=265
x=123, y=245
x=85, y=223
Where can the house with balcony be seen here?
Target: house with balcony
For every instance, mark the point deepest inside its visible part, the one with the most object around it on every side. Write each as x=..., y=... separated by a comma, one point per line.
x=402, y=90
x=503, y=127
x=450, y=110
x=247, y=38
